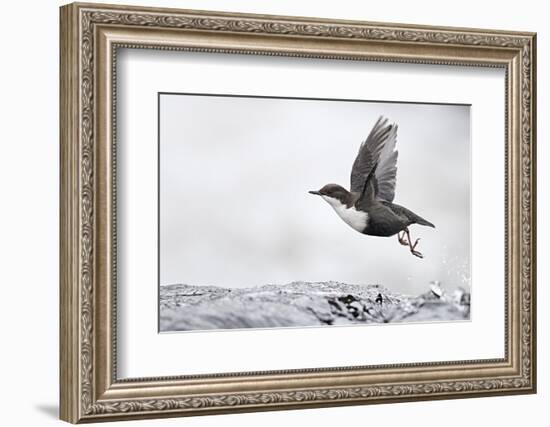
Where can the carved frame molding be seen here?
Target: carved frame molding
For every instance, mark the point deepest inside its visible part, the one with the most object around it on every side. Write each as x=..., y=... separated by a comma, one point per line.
x=90, y=35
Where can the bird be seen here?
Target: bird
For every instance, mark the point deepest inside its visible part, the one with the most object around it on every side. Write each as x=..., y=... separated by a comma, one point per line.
x=368, y=206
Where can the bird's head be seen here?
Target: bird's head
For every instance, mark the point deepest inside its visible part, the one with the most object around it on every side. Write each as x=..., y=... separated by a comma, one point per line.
x=333, y=193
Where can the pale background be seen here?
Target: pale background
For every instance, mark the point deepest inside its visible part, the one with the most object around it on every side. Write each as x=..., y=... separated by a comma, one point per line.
x=29, y=221
x=234, y=206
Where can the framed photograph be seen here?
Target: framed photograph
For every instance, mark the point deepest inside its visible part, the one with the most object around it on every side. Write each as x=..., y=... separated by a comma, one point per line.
x=266, y=212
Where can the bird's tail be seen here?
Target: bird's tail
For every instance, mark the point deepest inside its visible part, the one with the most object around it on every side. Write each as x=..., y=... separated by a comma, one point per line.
x=422, y=221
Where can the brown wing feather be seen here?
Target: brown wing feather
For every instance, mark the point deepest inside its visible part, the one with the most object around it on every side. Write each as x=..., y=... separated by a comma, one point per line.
x=386, y=170
x=377, y=151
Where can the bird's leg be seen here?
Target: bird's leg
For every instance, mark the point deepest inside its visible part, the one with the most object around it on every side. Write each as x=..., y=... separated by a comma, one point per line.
x=413, y=246
x=401, y=238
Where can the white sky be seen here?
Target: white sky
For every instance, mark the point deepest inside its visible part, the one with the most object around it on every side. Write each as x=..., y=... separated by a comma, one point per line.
x=234, y=207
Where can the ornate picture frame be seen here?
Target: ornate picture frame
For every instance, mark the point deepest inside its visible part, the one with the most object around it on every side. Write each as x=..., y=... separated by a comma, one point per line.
x=90, y=37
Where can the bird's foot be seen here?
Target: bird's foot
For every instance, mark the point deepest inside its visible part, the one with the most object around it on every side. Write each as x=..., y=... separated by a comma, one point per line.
x=402, y=239
x=412, y=247
x=417, y=254
x=414, y=251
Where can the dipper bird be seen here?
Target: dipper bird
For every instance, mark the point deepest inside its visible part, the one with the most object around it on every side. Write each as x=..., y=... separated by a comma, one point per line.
x=368, y=207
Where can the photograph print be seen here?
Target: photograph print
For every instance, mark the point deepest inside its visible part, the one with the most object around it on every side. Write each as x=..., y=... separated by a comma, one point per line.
x=301, y=212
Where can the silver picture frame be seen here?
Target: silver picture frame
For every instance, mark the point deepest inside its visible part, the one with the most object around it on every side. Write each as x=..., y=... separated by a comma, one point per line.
x=90, y=37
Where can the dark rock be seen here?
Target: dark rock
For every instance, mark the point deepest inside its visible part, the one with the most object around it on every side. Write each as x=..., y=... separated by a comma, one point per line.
x=299, y=304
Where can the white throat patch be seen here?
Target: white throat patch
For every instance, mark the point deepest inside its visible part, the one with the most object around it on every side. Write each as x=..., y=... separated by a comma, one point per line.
x=351, y=216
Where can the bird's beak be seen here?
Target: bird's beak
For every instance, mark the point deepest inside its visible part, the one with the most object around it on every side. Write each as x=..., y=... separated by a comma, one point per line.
x=314, y=192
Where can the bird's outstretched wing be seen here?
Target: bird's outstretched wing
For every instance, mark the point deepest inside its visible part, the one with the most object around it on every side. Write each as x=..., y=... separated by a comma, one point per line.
x=377, y=154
